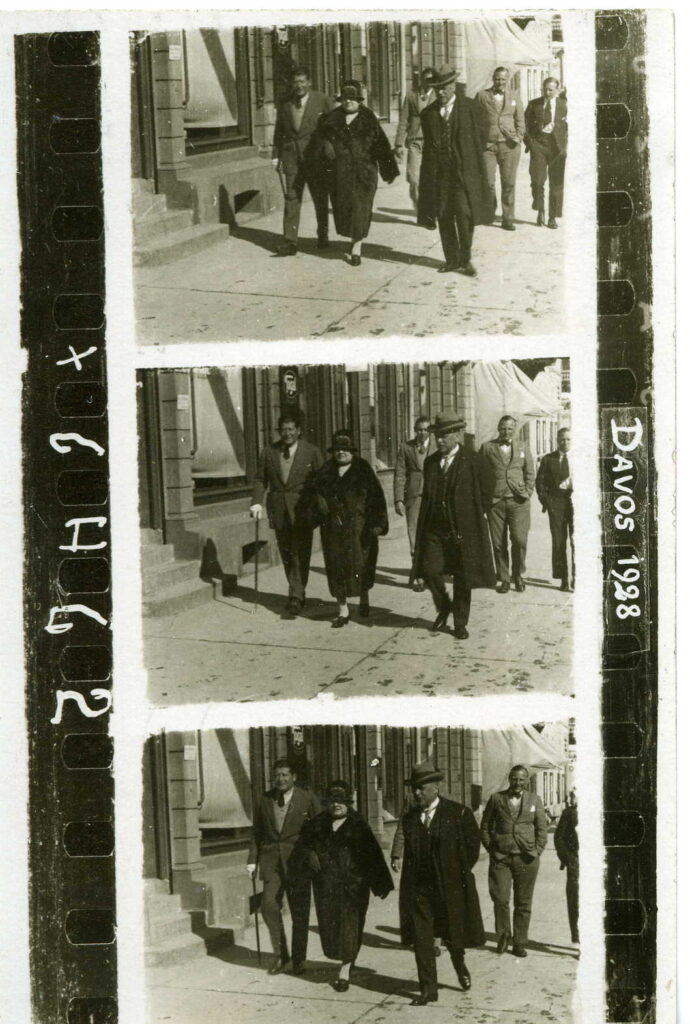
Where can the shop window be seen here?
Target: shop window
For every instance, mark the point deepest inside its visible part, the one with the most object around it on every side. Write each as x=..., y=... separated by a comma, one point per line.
x=216, y=88
x=225, y=793
x=219, y=446
x=378, y=69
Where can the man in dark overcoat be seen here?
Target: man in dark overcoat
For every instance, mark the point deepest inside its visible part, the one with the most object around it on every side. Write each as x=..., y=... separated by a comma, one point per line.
x=546, y=141
x=278, y=821
x=453, y=189
x=554, y=486
x=438, y=894
x=296, y=120
x=567, y=843
x=452, y=532
x=514, y=832
x=283, y=470
x=408, y=479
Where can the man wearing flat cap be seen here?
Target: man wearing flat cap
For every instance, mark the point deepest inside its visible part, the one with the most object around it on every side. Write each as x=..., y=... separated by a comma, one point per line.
x=452, y=532
x=438, y=895
x=453, y=188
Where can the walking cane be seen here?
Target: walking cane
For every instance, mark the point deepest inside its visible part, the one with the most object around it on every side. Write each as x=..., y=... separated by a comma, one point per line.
x=255, y=907
x=256, y=563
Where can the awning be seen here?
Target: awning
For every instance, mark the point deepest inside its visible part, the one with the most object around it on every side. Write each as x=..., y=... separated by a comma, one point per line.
x=503, y=389
x=495, y=42
x=503, y=748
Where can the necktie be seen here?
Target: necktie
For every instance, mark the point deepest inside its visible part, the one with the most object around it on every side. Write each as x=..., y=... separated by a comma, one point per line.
x=547, y=112
x=565, y=468
x=286, y=452
x=281, y=800
x=298, y=102
x=427, y=820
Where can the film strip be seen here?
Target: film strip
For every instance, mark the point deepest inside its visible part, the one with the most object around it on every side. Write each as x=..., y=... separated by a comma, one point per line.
x=66, y=503
x=67, y=550
x=628, y=508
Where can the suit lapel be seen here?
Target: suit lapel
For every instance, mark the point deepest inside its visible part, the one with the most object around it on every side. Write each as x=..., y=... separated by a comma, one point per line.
x=297, y=458
x=308, y=116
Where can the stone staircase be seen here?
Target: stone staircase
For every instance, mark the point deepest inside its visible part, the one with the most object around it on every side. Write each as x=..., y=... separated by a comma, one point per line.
x=162, y=235
x=169, y=584
x=168, y=928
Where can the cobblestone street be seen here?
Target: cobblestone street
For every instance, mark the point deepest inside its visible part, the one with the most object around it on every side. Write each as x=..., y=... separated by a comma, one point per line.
x=237, y=289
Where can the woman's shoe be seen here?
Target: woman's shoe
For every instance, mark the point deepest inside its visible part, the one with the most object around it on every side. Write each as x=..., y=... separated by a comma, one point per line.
x=355, y=261
x=339, y=621
x=341, y=985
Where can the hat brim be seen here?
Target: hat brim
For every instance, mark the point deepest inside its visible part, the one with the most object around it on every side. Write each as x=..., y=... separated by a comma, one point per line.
x=439, y=82
x=421, y=780
x=448, y=428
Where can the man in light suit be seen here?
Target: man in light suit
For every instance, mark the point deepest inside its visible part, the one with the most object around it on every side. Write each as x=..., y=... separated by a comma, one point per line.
x=546, y=141
x=278, y=820
x=554, y=487
x=296, y=120
x=512, y=466
x=514, y=832
x=503, y=123
x=283, y=470
x=408, y=479
x=409, y=134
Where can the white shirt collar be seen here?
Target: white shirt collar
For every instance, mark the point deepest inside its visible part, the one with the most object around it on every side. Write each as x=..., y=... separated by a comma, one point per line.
x=449, y=105
x=431, y=809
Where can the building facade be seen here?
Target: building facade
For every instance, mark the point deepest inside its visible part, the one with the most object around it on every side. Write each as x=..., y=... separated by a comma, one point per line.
x=201, y=432
x=203, y=106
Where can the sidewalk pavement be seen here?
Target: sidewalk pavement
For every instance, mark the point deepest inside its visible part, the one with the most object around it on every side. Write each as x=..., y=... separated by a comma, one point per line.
x=238, y=289
x=224, y=650
x=228, y=983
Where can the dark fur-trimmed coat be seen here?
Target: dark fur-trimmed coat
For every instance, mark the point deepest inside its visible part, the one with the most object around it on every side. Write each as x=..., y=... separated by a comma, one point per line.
x=345, y=866
x=352, y=513
x=351, y=157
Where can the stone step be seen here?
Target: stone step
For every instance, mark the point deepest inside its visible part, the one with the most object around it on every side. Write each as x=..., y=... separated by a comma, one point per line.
x=159, y=904
x=179, y=598
x=178, y=244
x=156, y=554
x=148, y=204
x=149, y=536
x=180, y=949
x=159, y=226
x=158, y=579
x=166, y=927
x=142, y=186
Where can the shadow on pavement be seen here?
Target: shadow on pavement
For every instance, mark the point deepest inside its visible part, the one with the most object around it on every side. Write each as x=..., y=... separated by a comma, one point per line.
x=272, y=602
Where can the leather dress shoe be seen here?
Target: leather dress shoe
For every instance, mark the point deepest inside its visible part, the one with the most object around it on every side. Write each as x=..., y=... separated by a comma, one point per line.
x=287, y=249
x=441, y=619
x=507, y=225
x=468, y=269
x=355, y=261
x=502, y=943
x=277, y=965
x=460, y=633
x=503, y=587
x=565, y=586
x=540, y=219
x=464, y=977
x=322, y=243
x=424, y=997
x=294, y=606
x=339, y=621
x=519, y=951
x=448, y=268
x=418, y=586
x=298, y=968
x=341, y=984
x=552, y=223
x=519, y=584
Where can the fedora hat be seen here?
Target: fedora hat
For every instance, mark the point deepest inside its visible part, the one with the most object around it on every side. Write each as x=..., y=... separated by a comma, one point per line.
x=447, y=421
x=351, y=90
x=342, y=439
x=425, y=771
x=444, y=75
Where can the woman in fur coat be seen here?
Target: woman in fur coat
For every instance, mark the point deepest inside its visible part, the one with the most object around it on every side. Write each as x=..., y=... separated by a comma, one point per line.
x=346, y=500
x=339, y=852
x=354, y=150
